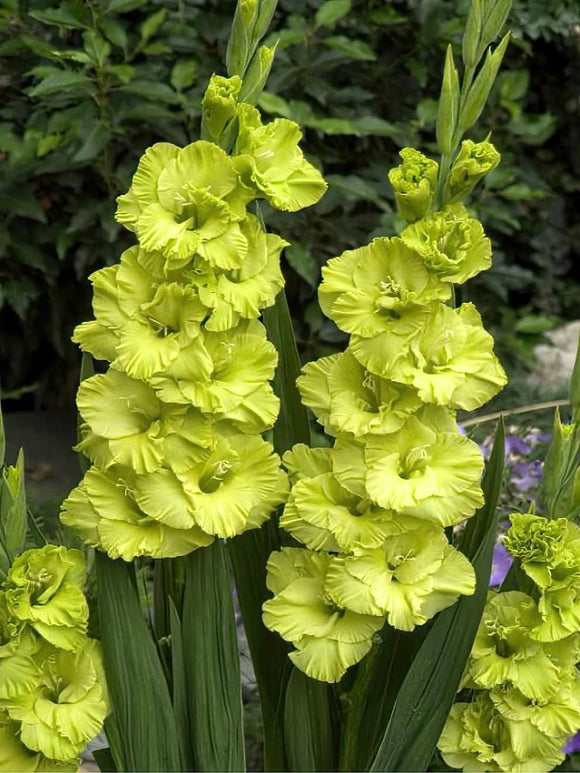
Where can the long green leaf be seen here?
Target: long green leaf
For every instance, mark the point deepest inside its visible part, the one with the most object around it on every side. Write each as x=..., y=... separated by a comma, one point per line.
x=211, y=662
x=141, y=730
x=179, y=687
x=292, y=424
x=429, y=689
x=371, y=698
x=249, y=553
x=311, y=721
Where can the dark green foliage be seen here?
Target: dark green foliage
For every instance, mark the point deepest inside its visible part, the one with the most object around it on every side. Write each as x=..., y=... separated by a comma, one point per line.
x=139, y=740
x=87, y=86
x=211, y=664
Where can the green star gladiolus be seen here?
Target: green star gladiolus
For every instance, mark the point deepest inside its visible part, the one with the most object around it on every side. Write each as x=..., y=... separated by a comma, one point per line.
x=242, y=293
x=369, y=290
x=452, y=245
x=549, y=553
x=189, y=201
x=69, y=705
x=410, y=578
x=127, y=414
x=450, y=363
x=347, y=398
x=19, y=673
x=558, y=718
x=415, y=183
x=504, y=653
x=474, y=161
x=226, y=374
x=328, y=638
x=326, y=516
x=427, y=469
x=478, y=737
x=269, y=159
x=44, y=589
x=15, y=757
x=18, y=645
x=156, y=336
x=235, y=485
x=232, y=484
x=220, y=104
x=105, y=514
x=304, y=462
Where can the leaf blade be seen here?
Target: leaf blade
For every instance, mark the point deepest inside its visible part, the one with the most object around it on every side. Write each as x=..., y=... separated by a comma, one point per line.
x=140, y=738
x=211, y=662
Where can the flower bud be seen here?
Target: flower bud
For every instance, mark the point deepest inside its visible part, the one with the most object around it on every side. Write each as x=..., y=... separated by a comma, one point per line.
x=415, y=184
x=474, y=161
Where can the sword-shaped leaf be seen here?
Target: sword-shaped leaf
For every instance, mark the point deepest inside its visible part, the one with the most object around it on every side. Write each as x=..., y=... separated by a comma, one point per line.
x=141, y=730
x=211, y=662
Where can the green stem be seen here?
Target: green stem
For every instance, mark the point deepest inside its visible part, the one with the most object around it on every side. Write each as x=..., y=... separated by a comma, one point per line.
x=524, y=409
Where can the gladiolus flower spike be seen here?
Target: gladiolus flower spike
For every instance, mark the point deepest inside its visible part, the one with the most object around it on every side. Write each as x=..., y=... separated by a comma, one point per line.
x=371, y=511
x=173, y=428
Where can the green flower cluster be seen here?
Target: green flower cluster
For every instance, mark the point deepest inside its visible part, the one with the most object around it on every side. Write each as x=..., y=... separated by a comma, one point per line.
x=53, y=697
x=172, y=429
x=371, y=511
x=522, y=668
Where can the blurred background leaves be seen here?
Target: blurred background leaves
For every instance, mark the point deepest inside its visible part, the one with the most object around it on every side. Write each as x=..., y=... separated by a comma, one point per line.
x=87, y=86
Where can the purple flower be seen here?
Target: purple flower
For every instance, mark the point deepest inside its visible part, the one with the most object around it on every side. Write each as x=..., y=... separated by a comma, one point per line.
x=525, y=475
x=501, y=564
x=573, y=744
x=513, y=445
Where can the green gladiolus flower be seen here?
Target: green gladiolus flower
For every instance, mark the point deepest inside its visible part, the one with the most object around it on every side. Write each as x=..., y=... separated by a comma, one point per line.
x=304, y=462
x=269, y=159
x=242, y=293
x=415, y=183
x=127, y=414
x=19, y=673
x=122, y=293
x=549, y=550
x=504, y=653
x=326, y=516
x=328, y=638
x=15, y=757
x=44, y=589
x=474, y=161
x=549, y=553
x=560, y=613
x=427, y=469
x=156, y=336
x=370, y=290
x=18, y=645
x=452, y=245
x=229, y=483
x=450, y=363
x=558, y=718
x=226, y=374
x=477, y=737
x=410, y=578
x=220, y=104
x=189, y=201
x=347, y=398
x=103, y=510
x=68, y=707
x=235, y=485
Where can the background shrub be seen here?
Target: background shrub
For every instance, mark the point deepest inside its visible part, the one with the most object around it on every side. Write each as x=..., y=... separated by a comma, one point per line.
x=88, y=85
